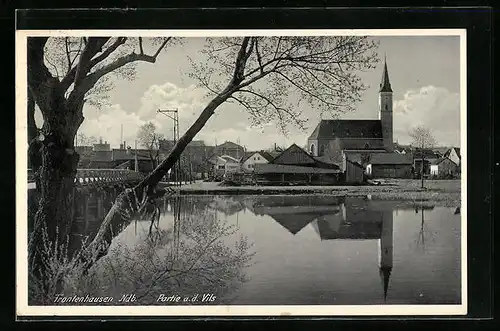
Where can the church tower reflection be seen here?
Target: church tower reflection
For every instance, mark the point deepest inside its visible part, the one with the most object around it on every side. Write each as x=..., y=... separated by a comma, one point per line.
x=349, y=218
x=386, y=249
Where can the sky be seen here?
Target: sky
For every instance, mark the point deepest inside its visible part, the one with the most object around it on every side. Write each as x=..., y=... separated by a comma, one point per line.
x=424, y=73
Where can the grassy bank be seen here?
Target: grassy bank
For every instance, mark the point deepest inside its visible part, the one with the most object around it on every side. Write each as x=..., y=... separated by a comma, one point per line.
x=444, y=192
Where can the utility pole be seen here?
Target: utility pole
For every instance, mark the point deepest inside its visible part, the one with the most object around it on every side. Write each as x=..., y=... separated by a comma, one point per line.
x=175, y=118
x=136, y=165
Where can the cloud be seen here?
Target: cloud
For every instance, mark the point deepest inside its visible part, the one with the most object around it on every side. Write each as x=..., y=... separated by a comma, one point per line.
x=229, y=122
x=107, y=123
x=433, y=107
x=189, y=101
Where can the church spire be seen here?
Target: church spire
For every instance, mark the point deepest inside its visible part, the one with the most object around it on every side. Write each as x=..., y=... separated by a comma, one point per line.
x=385, y=84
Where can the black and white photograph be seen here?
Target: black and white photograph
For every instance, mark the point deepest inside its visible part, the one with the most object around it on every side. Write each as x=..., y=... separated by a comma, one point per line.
x=241, y=172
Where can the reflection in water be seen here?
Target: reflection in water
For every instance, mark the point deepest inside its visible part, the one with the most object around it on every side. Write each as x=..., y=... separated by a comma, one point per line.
x=304, y=250
x=184, y=255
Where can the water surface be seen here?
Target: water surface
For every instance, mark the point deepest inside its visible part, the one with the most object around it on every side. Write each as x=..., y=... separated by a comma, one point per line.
x=293, y=250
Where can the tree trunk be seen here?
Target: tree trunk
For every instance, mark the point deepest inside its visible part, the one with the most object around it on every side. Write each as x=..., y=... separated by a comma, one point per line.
x=57, y=172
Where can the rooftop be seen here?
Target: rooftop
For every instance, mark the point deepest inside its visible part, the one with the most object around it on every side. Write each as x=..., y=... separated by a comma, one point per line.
x=328, y=129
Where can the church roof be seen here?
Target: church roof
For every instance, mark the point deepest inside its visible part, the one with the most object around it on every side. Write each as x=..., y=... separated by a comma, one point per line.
x=385, y=84
x=328, y=129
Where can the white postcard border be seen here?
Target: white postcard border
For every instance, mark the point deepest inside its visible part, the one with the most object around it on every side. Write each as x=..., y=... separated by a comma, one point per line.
x=22, y=307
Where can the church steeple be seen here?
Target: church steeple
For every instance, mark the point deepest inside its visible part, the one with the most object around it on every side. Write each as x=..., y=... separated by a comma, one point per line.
x=385, y=84
x=385, y=109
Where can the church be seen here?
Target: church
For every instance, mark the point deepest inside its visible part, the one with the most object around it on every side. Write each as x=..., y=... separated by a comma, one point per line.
x=334, y=140
x=353, y=135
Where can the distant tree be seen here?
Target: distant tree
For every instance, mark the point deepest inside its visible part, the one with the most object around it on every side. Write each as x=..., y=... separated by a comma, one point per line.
x=422, y=139
x=334, y=151
x=150, y=140
x=82, y=139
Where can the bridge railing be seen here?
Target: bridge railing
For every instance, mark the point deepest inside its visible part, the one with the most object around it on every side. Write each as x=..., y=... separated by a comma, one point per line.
x=100, y=176
x=87, y=176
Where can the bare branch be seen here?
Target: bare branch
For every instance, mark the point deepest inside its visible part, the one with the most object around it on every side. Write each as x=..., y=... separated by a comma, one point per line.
x=259, y=59
x=68, y=56
x=140, y=45
x=107, y=52
x=155, y=55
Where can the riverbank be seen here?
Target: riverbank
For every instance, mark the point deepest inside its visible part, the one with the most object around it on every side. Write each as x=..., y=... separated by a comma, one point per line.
x=444, y=192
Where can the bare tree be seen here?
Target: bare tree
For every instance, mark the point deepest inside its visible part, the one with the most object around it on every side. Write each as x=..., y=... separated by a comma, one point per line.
x=150, y=139
x=64, y=74
x=259, y=73
x=422, y=138
x=85, y=151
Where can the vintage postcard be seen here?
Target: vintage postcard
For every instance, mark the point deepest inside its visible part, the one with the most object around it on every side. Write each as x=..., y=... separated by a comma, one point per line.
x=241, y=172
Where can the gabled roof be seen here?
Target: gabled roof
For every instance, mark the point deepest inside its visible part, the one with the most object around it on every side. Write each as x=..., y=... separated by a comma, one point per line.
x=264, y=154
x=457, y=150
x=328, y=129
x=228, y=158
x=390, y=158
x=441, y=150
x=298, y=148
x=440, y=160
x=428, y=153
x=247, y=156
x=228, y=144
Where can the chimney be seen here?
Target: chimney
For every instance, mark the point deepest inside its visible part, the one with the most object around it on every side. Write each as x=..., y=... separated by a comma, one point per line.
x=124, y=144
x=105, y=142
x=121, y=146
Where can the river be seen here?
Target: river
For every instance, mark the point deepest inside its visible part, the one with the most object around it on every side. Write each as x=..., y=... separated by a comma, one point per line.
x=287, y=250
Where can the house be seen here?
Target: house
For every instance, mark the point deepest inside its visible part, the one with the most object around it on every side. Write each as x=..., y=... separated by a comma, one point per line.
x=251, y=158
x=294, y=155
x=402, y=149
x=284, y=174
x=443, y=168
x=454, y=155
x=389, y=165
x=426, y=156
x=354, y=172
x=295, y=166
x=102, y=146
x=357, y=134
x=440, y=150
x=229, y=148
x=195, y=155
x=221, y=165
x=121, y=156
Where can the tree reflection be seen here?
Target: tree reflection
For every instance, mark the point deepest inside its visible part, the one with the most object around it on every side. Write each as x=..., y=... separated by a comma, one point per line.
x=424, y=233
x=199, y=254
